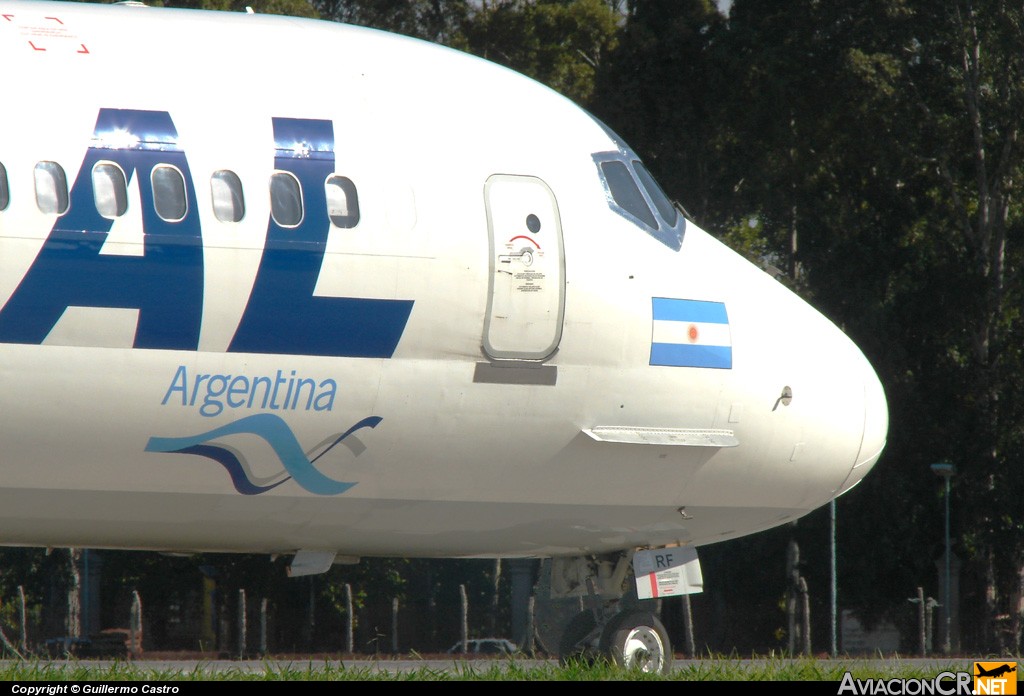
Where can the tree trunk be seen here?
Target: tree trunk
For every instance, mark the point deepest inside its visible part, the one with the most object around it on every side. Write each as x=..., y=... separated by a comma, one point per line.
x=74, y=616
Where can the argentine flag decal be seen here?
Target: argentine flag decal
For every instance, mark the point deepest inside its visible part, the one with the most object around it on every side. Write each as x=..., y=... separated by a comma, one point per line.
x=690, y=333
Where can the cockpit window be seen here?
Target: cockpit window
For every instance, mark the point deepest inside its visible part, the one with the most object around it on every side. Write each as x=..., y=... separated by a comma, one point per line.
x=625, y=192
x=635, y=195
x=665, y=208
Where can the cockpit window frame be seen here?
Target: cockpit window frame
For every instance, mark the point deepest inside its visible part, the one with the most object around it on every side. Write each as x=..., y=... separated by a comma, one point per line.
x=669, y=233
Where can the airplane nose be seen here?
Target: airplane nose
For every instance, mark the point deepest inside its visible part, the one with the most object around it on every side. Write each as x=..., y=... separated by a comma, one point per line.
x=876, y=428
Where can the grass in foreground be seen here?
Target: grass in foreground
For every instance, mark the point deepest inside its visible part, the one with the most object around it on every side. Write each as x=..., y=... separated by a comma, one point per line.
x=720, y=669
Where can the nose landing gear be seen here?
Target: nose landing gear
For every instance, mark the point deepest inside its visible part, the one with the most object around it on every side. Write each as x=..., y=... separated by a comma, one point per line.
x=615, y=626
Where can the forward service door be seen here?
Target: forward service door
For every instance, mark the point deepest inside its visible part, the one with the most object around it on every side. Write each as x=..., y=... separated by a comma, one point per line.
x=526, y=293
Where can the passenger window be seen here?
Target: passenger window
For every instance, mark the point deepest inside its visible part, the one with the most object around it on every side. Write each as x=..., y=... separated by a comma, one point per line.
x=5, y=194
x=169, y=193
x=285, y=199
x=342, y=202
x=626, y=193
x=661, y=201
x=228, y=202
x=110, y=190
x=51, y=188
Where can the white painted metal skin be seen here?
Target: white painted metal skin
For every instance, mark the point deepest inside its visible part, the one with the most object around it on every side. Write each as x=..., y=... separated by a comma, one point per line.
x=456, y=466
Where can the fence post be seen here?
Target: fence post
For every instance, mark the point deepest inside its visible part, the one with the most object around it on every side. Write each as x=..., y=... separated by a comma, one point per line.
x=394, y=626
x=241, y=624
x=528, y=642
x=464, y=628
x=805, y=608
x=495, y=598
x=929, y=623
x=263, y=627
x=349, y=621
x=793, y=577
x=922, y=625
x=135, y=625
x=23, y=630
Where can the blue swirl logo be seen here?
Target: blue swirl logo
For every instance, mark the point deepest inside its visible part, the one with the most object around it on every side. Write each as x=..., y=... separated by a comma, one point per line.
x=275, y=432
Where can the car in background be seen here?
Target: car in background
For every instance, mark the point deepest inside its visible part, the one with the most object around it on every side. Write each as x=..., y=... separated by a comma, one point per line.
x=485, y=646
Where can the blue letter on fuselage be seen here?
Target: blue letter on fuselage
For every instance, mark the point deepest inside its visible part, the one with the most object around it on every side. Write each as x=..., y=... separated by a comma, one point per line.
x=283, y=315
x=165, y=284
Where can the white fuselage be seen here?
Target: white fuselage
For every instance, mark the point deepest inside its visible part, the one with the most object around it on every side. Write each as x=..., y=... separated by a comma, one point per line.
x=507, y=401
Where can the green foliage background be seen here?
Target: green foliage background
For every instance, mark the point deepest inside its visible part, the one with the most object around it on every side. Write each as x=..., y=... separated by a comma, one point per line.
x=868, y=149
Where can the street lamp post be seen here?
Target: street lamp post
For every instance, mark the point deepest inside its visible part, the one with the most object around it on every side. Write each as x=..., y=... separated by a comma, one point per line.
x=946, y=471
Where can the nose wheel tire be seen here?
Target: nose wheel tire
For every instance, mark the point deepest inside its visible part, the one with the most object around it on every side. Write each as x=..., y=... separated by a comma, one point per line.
x=638, y=641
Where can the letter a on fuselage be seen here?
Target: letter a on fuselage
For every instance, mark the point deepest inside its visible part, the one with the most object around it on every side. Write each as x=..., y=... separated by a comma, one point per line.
x=165, y=283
